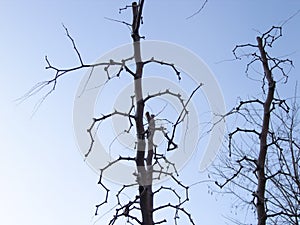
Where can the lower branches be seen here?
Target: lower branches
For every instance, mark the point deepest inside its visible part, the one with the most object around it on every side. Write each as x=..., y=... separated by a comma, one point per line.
x=129, y=208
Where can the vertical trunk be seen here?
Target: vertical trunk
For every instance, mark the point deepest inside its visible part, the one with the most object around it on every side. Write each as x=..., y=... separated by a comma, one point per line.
x=144, y=173
x=261, y=185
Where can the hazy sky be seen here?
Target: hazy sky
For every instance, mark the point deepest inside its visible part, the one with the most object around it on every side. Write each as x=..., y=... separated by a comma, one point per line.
x=44, y=179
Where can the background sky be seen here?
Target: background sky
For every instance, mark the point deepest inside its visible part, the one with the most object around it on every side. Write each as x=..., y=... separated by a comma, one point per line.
x=44, y=179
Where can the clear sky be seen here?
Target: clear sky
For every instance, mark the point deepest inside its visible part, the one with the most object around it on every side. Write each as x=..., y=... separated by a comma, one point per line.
x=44, y=179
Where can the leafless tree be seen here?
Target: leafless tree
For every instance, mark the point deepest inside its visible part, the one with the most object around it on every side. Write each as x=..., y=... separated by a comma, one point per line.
x=262, y=167
x=149, y=162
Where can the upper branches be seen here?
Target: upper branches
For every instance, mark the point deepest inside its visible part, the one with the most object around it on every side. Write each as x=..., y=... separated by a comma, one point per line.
x=260, y=54
x=199, y=10
x=60, y=72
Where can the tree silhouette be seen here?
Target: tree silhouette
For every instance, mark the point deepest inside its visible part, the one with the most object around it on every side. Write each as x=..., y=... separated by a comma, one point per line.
x=148, y=161
x=262, y=168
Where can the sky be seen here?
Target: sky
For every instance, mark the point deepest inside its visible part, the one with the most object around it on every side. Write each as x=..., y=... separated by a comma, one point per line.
x=44, y=179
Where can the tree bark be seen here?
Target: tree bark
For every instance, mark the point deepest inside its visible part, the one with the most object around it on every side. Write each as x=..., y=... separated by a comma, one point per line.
x=144, y=172
x=261, y=185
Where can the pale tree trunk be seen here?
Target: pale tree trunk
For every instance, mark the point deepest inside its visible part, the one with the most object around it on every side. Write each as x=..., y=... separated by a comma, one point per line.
x=144, y=172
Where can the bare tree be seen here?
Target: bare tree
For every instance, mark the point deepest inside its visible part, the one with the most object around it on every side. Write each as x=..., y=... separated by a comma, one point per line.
x=149, y=162
x=262, y=169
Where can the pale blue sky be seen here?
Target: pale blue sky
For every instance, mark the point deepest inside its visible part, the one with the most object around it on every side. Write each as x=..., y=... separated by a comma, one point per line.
x=43, y=177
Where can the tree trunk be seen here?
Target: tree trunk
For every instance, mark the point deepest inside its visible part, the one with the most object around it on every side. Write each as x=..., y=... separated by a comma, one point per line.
x=261, y=185
x=144, y=172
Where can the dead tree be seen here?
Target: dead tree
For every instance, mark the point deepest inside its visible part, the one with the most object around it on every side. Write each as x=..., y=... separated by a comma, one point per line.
x=148, y=160
x=261, y=167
